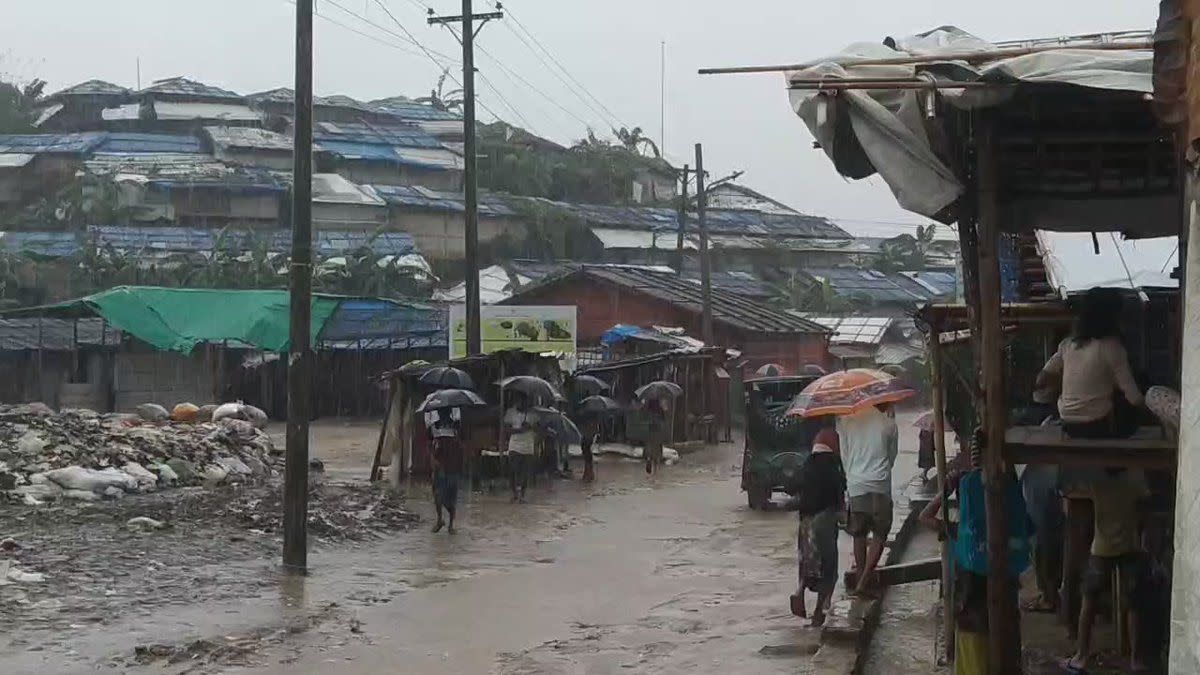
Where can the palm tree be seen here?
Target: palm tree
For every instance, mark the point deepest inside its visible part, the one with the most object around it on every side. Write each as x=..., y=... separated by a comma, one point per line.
x=450, y=101
x=18, y=106
x=909, y=252
x=637, y=142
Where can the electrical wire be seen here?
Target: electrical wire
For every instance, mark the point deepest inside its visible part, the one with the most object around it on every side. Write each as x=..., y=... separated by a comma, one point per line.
x=612, y=116
x=406, y=37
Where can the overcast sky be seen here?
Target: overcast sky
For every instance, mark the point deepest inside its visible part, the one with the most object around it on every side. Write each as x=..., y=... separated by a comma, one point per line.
x=611, y=47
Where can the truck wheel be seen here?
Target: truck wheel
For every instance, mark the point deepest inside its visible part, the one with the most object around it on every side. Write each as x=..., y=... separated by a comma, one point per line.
x=757, y=496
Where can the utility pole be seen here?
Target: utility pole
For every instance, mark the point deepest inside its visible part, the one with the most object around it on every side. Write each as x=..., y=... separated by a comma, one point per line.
x=706, y=320
x=683, y=206
x=295, y=476
x=470, y=161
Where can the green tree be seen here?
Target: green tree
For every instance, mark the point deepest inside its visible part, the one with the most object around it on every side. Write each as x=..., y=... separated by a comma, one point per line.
x=636, y=142
x=18, y=106
x=450, y=101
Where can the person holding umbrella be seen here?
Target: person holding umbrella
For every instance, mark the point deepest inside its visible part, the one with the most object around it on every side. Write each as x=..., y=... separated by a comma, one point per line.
x=655, y=397
x=447, y=459
x=520, y=444
x=869, y=441
x=589, y=417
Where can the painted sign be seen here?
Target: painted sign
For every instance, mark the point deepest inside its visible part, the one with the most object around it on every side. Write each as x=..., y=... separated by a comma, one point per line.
x=531, y=328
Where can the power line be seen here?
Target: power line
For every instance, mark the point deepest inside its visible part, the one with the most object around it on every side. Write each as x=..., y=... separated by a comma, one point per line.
x=428, y=53
x=483, y=78
x=611, y=120
x=526, y=30
x=407, y=37
x=518, y=77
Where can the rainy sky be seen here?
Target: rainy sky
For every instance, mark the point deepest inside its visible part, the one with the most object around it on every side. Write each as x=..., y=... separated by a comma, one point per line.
x=609, y=53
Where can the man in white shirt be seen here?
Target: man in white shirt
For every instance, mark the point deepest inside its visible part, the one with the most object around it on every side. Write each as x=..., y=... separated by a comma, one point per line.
x=521, y=445
x=869, y=443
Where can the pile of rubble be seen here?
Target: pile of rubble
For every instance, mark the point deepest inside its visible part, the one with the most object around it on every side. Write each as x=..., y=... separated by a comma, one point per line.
x=81, y=454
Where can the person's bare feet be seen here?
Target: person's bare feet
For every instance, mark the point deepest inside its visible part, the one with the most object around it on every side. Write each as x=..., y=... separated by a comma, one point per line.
x=818, y=619
x=451, y=530
x=438, y=526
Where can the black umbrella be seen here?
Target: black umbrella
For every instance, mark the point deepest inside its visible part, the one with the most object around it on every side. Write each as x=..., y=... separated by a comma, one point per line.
x=659, y=390
x=590, y=384
x=598, y=405
x=447, y=377
x=533, y=387
x=553, y=420
x=451, y=398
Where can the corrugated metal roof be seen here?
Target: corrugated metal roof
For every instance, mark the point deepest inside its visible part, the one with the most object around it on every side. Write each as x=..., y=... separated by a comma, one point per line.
x=55, y=334
x=200, y=240
x=193, y=110
x=65, y=144
x=872, y=284
x=420, y=197
x=395, y=135
x=276, y=95
x=170, y=171
x=331, y=188
x=248, y=138
x=741, y=283
x=867, y=330
x=428, y=158
x=411, y=110
x=91, y=88
x=183, y=87
x=728, y=308
x=14, y=160
x=131, y=143
x=612, y=238
x=386, y=324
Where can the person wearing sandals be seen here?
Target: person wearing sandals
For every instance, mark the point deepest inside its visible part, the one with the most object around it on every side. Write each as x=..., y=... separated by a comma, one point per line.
x=822, y=486
x=1116, y=552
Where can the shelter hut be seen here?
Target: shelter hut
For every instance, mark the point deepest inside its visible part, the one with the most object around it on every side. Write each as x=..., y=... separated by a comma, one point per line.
x=402, y=438
x=1056, y=135
x=699, y=413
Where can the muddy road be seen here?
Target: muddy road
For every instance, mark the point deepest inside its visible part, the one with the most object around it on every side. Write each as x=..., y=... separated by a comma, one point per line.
x=669, y=574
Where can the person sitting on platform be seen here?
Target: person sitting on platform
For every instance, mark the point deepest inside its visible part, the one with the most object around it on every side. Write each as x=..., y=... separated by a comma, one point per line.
x=1099, y=397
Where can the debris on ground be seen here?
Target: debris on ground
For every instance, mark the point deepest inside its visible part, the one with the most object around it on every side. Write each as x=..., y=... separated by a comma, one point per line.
x=143, y=524
x=81, y=454
x=336, y=511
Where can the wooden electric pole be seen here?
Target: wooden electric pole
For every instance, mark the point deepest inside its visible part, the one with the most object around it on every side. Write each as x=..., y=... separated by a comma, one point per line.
x=470, y=161
x=706, y=327
x=295, y=477
x=683, y=207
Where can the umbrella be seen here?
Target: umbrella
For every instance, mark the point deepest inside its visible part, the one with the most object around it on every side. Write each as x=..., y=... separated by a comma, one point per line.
x=925, y=421
x=451, y=398
x=590, y=384
x=847, y=392
x=659, y=389
x=534, y=387
x=814, y=370
x=553, y=420
x=770, y=370
x=598, y=405
x=447, y=377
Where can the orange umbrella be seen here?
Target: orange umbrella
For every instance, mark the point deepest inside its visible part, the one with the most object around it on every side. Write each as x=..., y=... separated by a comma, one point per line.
x=847, y=392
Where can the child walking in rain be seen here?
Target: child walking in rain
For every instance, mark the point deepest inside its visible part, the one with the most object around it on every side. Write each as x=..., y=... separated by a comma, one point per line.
x=822, y=485
x=447, y=456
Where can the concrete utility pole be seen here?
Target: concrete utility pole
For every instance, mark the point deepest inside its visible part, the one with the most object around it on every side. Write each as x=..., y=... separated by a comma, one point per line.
x=295, y=478
x=683, y=206
x=470, y=160
x=706, y=319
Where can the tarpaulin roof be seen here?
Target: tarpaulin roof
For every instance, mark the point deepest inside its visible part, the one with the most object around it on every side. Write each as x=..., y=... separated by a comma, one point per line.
x=67, y=144
x=179, y=319
x=59, y=244
x=91, y=88
x=123, y=143
x=184, y=88
x=377, y=324
x=887, y=131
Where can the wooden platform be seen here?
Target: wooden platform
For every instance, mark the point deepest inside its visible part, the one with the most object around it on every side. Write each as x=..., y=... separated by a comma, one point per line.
x=1147, y=449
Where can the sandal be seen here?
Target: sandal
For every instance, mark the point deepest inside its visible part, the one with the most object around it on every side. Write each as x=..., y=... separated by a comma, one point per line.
x=1039, y=605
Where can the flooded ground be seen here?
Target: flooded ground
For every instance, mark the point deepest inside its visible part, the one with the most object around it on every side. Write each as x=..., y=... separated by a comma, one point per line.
x=668, y=574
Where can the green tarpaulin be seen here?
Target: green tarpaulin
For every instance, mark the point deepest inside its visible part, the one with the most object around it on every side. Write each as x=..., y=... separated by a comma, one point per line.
x=178, y=319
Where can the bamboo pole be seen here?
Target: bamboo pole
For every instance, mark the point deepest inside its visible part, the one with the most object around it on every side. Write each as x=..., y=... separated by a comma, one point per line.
x=907, y=59
x=383, y=429
x=834, y=85
x=1004, y=634
x=939, y=448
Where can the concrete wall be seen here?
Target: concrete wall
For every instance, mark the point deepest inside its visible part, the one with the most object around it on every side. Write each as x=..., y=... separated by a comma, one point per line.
x=165, y=378
x=439, y=235
x=376, y=173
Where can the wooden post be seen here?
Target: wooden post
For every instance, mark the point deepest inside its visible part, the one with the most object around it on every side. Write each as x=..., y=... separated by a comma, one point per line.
x=939, y=448
x=706, y=317
x=1004, y=631
x=383, y=429
x=299, y=368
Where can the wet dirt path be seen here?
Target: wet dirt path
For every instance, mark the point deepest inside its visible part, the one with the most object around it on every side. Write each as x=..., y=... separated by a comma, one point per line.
x=670, y=574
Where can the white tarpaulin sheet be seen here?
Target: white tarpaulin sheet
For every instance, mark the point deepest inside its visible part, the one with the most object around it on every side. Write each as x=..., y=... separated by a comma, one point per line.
x=884, y=131
x=1073, y=264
